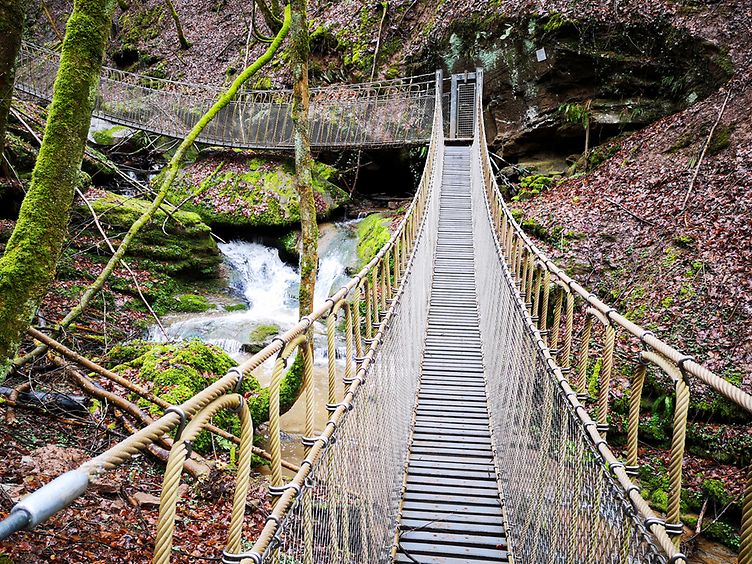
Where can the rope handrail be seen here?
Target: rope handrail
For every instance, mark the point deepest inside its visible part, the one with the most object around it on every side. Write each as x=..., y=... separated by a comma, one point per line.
x=535, y=274
x=265, y=543
x=427, y=78
x=374, y=279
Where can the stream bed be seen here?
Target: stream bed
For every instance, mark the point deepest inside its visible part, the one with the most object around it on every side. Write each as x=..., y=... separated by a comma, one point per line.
x=257, y=276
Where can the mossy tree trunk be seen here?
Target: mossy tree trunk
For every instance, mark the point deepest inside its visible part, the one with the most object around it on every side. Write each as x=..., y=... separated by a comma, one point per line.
x=184, y=43
x=299, y=52
x=28, y=266
x=11, y=29
x=166, y=181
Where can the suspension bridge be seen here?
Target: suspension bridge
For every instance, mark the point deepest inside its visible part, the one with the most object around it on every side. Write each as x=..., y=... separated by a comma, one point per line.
x=466, y=431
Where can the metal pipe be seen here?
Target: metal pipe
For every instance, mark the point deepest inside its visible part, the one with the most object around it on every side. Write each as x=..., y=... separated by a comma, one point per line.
x=16, y=521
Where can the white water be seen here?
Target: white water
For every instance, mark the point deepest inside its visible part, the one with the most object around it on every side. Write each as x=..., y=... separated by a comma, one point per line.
x=269, y=286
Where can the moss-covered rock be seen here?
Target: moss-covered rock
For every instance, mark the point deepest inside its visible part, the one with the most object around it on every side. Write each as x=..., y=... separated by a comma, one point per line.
x=185, y=246
x=191, y=303
x=110, y=136
x=259, y=337
x=373, y=233
x=176, y=372
x=242, y=190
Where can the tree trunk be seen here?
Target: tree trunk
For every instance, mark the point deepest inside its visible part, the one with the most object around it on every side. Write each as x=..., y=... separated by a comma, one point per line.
x=184, y=43
x=171, y=171
x=270, y=15
x=299, y=52
x=28, y=266
x=11, y=29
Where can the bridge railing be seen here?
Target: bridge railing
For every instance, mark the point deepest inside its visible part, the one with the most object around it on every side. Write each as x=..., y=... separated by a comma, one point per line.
x=559, y=463
x=343, y=499
x=342, y=505
x=390, y=112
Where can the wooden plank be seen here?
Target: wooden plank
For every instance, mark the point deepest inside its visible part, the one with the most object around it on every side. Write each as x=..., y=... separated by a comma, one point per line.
x=472, y=553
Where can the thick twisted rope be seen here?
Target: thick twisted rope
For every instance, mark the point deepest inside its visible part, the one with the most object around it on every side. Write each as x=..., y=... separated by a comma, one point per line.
x=178, y=454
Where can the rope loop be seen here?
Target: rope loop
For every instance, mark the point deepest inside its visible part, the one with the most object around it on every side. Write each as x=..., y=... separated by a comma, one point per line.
x=680, y=364
x=279, y=490
x=650, y=521
x=239, y=408
x=642, y=339
x=332, y=407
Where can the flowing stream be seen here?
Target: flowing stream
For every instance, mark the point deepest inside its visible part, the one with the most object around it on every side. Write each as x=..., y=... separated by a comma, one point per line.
x=269, y=286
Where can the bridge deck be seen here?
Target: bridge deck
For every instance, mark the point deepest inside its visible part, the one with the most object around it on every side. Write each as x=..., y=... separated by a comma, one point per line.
x=451, y=510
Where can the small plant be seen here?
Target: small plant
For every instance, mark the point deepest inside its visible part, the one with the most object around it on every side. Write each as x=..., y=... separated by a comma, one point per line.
x=580, y=114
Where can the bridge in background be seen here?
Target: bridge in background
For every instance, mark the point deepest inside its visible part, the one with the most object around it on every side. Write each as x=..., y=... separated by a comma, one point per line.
x=466, y=431
x=378, y=114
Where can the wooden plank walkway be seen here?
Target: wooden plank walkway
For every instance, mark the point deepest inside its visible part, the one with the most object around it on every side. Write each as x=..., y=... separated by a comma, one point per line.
x=451, y=510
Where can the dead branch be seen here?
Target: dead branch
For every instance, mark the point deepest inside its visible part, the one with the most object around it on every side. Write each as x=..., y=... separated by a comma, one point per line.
x=192, y=465
x=10, y=413
x=702, y=155
x=53, y=25
x=700, y=517
x=634, y=215
x=135, y=388
x=156, y=451
x=385, y=8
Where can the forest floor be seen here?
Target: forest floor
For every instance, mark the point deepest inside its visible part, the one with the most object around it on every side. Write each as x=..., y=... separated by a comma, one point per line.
x=684, y=273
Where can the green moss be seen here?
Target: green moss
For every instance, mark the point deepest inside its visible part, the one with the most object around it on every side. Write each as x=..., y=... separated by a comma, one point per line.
x=262, y=332
x=289, y=243
x=684, y=140
x=178, y=371
x=236, y=307
x=373, y=233
x=555, y=21
x=184, y=247
x=532, y=227
x=109, y=136
x=721, y=139
x=191, y=303
x=531, y=186
x=142, y=25
x=724, y=533
x=250, y=191
x=684, y=241
x=600, y=154
x=723, y=61
x=21, y=154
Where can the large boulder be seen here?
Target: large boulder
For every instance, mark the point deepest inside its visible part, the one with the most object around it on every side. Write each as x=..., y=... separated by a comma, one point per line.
x=242, y=190
x=181, y=243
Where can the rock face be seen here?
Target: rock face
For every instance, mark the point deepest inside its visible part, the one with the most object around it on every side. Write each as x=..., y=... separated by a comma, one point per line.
x=630, y=75
x=241, y=190
x=184, y=248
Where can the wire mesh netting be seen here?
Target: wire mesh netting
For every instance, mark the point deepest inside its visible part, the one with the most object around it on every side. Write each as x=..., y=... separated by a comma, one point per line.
x=349, y=511
x=393, y=112
x=561, y=503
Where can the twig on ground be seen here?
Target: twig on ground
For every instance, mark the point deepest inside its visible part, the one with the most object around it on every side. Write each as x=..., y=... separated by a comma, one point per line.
x=634, y=215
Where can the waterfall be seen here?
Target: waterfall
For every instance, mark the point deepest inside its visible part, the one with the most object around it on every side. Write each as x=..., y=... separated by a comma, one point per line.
x=268, y=284
x=259, y=276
